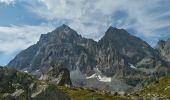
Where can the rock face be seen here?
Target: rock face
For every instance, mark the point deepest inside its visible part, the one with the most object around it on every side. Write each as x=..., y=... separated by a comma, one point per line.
x=16, y=85
x=58, y=74
x=164, y=48
x=118, y=55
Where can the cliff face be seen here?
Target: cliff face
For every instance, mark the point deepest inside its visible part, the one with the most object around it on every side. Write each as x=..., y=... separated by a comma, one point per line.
x=118, y=55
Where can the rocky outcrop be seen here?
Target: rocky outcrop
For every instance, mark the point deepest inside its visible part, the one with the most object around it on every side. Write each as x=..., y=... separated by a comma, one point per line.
x=57, y=74
x=164, y=49
x=16, y=85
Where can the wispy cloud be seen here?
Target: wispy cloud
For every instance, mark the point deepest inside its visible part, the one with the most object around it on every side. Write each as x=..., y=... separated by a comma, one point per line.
x=95, y=16
x=8, y=2
x=19, y=37
x=16, y=38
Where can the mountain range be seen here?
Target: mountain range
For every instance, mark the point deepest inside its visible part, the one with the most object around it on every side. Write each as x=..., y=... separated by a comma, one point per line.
x=119, y=61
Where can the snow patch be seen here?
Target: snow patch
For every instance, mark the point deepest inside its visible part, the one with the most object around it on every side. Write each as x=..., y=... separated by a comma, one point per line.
x=37, y=70
x=132, y=66
x=104, y=78
x=26, y=71
x=99, y=76
x=92, y=76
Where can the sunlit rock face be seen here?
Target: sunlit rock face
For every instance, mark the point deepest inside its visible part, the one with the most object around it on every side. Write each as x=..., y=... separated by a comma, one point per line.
x=117, y=55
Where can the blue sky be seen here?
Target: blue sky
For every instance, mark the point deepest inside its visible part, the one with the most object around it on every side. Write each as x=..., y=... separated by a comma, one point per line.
x=22, y=21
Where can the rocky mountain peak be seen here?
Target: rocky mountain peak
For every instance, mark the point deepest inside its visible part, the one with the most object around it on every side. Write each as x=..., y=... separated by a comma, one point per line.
x=160, y=44
x=61, y=34
x=115, y=35
x=112, y=28
x=63, y=28
x=120, y=38
x=113, y=31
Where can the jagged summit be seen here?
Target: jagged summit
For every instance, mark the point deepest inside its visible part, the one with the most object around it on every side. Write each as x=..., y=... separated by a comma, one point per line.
x=63, y=27
x=115, y=35
x=115, y=31
x=60, y=34
x=112, y=28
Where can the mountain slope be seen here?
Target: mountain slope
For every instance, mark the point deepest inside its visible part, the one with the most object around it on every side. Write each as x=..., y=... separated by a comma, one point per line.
x=159, y=89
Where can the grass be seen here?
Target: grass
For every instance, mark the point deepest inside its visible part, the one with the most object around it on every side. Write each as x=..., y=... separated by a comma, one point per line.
x=88, y=94
x=160, y=88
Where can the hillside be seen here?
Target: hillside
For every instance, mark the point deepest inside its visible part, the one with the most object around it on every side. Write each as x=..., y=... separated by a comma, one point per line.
x=159, y=89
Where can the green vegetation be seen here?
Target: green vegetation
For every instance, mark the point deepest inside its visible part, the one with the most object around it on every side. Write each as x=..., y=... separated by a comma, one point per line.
x=159, y=89
x=89, y=94
x=50, y=93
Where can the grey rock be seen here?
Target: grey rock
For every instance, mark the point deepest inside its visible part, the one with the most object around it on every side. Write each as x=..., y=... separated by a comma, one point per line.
x=57, y=74
x=164, y=49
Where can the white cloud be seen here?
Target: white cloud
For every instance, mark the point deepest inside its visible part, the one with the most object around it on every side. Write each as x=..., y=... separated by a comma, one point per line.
x=16, y=38
x=8, y=2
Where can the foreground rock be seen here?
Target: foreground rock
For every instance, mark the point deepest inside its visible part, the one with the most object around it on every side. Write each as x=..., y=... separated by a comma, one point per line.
x=16, y=85
x=58, y=74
